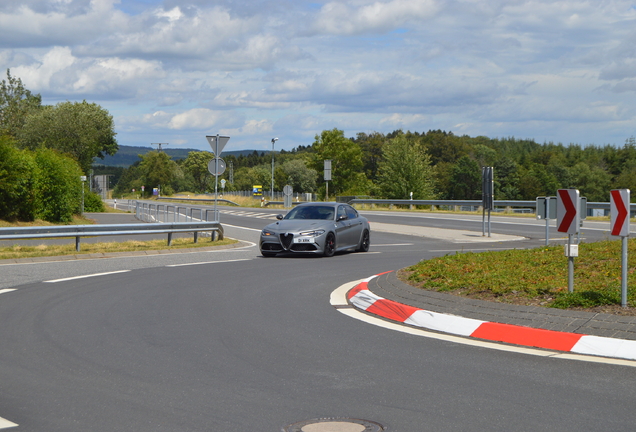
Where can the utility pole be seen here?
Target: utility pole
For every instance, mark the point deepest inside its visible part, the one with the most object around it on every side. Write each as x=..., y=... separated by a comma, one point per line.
x=159, y=145
x=272, y=191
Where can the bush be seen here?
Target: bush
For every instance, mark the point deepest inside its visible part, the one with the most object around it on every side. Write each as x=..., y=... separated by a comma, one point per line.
x=19, y=176
x=60, y=186
x=93, y=202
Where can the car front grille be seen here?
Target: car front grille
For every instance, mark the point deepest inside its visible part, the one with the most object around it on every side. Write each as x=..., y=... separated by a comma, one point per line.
x=286, y=240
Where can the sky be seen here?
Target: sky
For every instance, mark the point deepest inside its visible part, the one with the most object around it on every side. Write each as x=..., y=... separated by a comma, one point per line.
x=174, y=71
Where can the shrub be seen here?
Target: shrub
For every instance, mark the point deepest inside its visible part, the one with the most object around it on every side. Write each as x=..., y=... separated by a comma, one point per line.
x=19, y=176
x=93, y=202
x=60, y=186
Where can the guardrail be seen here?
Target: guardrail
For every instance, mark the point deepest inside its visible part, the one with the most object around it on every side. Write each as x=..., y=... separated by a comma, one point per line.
x=473, y=203
x=143, y=211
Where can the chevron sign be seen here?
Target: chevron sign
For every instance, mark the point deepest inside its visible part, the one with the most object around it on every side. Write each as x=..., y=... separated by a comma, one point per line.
x=619, y=212
x=568, y=217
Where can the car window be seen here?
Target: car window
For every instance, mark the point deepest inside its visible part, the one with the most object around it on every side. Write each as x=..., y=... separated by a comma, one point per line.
x=341, y=212
x=351, y=212
x=311, y=212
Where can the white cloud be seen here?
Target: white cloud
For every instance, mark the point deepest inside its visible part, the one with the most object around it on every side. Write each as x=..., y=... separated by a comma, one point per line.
x=340, y=18
x=177, y=69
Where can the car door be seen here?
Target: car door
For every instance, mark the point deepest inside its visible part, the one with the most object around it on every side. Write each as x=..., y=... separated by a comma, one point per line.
x=343, y=231
x=356, y=225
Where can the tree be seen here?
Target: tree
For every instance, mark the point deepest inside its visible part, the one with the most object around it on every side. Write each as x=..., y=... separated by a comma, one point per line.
x=157, y=170
x=81, y=129
x=346, y=162
x=301, y=178
x=196, y=164
x=465, y=180
x=16, y=102
x=406, y=168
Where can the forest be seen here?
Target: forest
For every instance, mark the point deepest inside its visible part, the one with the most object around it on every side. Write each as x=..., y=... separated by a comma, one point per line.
x=433, y=165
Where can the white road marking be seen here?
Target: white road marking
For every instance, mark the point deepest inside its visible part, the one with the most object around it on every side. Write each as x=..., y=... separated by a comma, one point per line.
x=85, y=276
x=240, y=227
x=2, y=291
x=4, y=423
x=394, y=244
x=338, y=299
x=206, y=262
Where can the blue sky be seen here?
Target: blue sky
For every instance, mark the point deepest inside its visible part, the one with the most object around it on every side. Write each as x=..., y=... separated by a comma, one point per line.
x=177, y=70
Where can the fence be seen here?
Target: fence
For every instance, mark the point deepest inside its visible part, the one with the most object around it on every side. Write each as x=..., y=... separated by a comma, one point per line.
x=143, y=211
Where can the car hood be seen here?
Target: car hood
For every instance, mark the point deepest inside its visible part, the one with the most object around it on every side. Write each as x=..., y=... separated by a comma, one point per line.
x=298, y=225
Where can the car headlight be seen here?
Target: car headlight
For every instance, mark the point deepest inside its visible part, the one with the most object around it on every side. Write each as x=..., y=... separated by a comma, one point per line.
x=314, y=233
x=267, y=233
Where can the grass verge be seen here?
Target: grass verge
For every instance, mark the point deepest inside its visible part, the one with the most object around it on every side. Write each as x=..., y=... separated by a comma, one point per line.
x=44, y=250
x=536, y=277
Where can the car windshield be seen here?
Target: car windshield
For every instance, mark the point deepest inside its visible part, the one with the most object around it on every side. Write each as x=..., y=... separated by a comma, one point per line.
x=311, y=212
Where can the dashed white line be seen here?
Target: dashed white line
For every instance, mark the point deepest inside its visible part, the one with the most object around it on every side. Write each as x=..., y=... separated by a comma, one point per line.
x=394, y=244
x=2, y=291
x=206, y=262
x=85, y=276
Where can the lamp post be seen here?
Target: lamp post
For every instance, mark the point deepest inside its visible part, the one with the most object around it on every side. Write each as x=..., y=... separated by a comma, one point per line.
x=272, y=190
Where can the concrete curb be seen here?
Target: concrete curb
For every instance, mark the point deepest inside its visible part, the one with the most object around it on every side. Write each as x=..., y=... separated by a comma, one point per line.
x=363, y=299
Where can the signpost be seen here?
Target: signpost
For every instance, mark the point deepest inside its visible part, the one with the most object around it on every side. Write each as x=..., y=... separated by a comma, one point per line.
x=619, y=226
x=327, y=169
x=546, y=209
x=217, y=142
x=288, y=191
x=569, y=221
x=487, y=196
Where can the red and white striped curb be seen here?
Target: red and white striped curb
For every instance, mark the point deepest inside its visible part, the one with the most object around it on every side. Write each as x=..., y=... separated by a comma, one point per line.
x=361, y=298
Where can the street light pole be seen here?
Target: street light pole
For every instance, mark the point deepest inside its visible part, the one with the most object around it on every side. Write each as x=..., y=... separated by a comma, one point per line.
x=272, y=190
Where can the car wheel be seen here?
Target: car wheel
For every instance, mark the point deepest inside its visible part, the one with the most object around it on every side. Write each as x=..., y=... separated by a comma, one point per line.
x=330, y=245
x=268, y=254
x=364, y=242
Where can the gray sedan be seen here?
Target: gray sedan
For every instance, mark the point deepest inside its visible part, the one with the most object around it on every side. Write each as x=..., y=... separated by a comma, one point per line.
x=316, y=228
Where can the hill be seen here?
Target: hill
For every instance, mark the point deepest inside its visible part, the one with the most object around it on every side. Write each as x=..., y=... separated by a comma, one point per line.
x=128, y=155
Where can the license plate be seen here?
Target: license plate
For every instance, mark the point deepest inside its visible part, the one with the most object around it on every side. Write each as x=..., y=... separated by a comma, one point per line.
x=303, y=240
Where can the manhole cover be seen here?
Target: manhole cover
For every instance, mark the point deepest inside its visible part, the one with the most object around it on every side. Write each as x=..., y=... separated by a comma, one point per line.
x=335, y=425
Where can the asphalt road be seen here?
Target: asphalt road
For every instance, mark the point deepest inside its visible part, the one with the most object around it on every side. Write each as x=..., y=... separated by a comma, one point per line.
x=230, y=341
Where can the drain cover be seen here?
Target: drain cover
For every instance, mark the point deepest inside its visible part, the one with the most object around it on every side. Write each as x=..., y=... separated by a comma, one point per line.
x=335, y=424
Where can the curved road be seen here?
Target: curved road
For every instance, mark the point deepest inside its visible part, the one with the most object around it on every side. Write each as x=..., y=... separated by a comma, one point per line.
x=229, y=341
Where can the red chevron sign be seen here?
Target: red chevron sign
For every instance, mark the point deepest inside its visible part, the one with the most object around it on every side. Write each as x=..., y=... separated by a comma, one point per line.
x=619, y=212
x=568, y=218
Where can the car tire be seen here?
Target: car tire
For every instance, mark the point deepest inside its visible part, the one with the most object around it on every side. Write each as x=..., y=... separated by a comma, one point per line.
x=268, y=254
x=365, y=242
x=330, y=245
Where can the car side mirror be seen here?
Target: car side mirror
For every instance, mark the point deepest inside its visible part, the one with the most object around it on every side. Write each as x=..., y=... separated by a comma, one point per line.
x=279, y=217
x=341, y=218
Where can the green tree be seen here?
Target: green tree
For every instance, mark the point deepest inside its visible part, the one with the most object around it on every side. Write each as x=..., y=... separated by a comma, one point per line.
x=593, y=182
x=299, y=176
x=157, y=170
x=465, y=180
x=81, y=129
x=405, y=168
x=16, y=102
x=196, y=165
x=346, y=162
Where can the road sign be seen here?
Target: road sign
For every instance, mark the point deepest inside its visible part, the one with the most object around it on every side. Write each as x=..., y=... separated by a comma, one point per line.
x=568, y=217
x=619, y=212
x=217, y=145
x=487, y=188
x=546, y=207
x=213, y=166
x=327, y=169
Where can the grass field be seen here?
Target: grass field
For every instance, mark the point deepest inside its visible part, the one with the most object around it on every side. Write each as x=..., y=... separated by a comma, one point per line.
x=533, y=277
